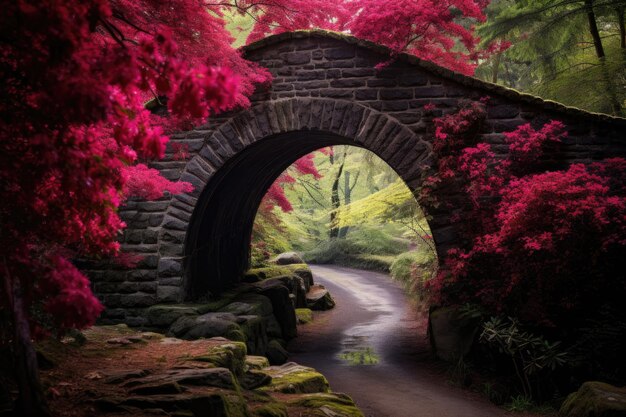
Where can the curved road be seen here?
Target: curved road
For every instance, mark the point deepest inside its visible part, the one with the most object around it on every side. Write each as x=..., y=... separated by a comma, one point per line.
x=371, y=347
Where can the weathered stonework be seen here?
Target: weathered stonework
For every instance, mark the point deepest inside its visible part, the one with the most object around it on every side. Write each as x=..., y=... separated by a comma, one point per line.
x=326, y=91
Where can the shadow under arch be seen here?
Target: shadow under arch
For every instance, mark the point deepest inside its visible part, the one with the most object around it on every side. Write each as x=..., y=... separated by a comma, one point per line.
x=245, y=156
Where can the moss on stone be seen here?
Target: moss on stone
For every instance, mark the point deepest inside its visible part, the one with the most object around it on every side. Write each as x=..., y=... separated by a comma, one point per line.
x=273, y=409
x=257, y=362
x=304, y=315
x=339, y=404
x=278, y=270
x=292, y=378
x=595, y=399
x=235, y=405
x=231, y=355
x=236, y=335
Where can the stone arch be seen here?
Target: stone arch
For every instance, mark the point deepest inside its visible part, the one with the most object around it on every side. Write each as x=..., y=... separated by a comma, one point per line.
x=326, y=86
x=206, y=233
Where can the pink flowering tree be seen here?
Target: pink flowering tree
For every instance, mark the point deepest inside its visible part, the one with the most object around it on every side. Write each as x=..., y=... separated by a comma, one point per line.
x=76, y=138
x=73, y=127
x=544, y=246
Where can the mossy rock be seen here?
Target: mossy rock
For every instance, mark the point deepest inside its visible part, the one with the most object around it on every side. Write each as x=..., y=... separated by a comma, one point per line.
x=257, y=362
x=304, y=315
x=273, y=409
x=249, y=304
x=255, y=330
x=329, y=404
x=319, y=298
x=231, y=355
x=163, y=315
x=204, y=326
x=595, y=399
x=214, y=403
x=276, y=353
x=258, y=274
x=287, y=258
x=292, y=378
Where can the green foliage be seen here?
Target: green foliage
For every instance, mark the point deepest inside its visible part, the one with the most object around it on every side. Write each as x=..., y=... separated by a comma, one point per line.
x=381, y=205
x=520, y=403
x=365, y=248
x=532, y=356
x=556, y=54
x=403, y=267
x=373, y=214
x=277, y=271
x=413, y=269
x=345, y=252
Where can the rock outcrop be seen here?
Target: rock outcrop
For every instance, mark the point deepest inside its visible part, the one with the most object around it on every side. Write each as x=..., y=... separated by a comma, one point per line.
x=452, y=334
x=287, y=258
x=595, y=399
x=169, y=376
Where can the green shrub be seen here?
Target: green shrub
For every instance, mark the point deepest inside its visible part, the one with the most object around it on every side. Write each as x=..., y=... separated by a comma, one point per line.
x=374, y=241
x=533, y=358
x=413, y=269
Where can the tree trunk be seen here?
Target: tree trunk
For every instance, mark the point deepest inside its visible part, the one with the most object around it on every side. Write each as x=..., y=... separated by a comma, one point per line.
x=622, y=27
x=495, y=70
x=335, y=204
x=593, y=29
x=31, y=401
x=347, y=199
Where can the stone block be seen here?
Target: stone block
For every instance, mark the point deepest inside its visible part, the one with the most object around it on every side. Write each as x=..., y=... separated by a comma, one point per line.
x=168, y=294
x=339, y=53
x=297, y=58
x=170, y=267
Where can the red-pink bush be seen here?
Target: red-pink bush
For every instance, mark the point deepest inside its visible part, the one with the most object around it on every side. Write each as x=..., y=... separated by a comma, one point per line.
x=547, y=246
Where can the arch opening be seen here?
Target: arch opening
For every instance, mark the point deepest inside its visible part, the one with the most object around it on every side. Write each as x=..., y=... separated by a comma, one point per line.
x=217, y=245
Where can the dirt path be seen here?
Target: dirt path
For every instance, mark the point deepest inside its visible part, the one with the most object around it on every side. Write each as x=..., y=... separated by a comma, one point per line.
x=372, y=347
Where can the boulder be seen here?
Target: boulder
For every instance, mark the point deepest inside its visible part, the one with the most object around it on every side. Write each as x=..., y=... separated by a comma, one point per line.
x=255, y=379
x=328, y=404
x=255, y=332
x=214, y=403
x=249, y=304
x=273, y=328
x=287, y=258
x=163, y=315
x=319, y=298
x=211, y=377
x=295, y=285
x=595, y=399
x=452, y=334
x=229, y=355
x=292, y=378
x=304, y=272
x=257, y=362
x=284, y=310
x=276, y=353
x=204, y=326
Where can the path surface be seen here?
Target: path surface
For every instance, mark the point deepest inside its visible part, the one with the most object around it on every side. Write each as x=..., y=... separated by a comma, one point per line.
x=371, y=347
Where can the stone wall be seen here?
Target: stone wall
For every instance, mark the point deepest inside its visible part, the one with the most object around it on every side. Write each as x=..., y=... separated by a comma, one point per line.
x=326, y=90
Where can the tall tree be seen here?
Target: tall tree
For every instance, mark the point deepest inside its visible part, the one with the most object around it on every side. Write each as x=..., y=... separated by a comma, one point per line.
x=571, y=51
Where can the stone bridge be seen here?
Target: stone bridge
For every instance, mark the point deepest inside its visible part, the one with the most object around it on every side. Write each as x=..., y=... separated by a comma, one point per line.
x=326, y=91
